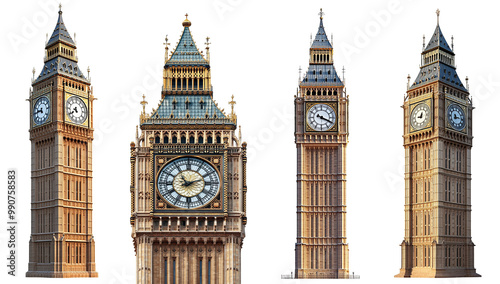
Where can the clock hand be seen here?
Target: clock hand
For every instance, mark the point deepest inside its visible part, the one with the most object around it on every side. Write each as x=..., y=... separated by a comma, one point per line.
x=456, y=117
x=76, y=110
x=421, y=114
x=320, y=116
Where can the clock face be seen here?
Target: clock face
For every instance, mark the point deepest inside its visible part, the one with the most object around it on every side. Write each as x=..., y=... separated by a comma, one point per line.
x=321, y=117
x=41, y=110
x=76, y=110
x=420, y=116
x=188, y=182
x=456, y=117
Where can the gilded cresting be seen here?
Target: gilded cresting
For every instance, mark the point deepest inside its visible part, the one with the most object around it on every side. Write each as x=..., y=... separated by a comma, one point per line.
x=188, y=186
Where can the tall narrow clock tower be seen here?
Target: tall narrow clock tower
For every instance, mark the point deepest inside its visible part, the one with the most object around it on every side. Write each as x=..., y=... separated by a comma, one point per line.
x=61, y=242
x=321, y=136
x=437, y=142
x=188, y=178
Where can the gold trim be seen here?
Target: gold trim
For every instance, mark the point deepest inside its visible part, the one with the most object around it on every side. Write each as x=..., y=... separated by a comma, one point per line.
x=332, y=104
x=85, y=100
x=171, y=160
x=411, y=106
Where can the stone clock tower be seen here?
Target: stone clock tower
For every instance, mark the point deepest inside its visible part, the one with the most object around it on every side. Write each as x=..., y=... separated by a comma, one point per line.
x=437, y=142
x=321, y=136
x=188, y=179
x=61, y=133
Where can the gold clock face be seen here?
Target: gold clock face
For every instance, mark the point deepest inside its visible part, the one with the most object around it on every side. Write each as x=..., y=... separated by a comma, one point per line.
x=188, y=182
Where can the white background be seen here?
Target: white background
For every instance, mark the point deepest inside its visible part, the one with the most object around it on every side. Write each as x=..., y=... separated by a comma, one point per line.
x=257, y=48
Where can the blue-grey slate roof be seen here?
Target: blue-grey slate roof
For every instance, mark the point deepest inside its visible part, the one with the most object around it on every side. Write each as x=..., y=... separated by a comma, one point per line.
x=186, y=52
x=62, y=66
x=321, y=40
x=188, y=109
x=438, y=70
x=60, y=33
x=321, y=75
x=438, y=40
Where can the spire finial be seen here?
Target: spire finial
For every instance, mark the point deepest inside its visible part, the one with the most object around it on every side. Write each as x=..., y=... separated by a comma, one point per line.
x=452, y=45
x=467, y=82
x=423, y=42
x=437, y=13
x=33, y=71
x=300, y=73
x=232, y=103
x=144, y=103
x=343, y=73
x=321, y=13
x=186, y=22
x=408, y=84
x=88, y=72
x=166, y=48
x=60, y=8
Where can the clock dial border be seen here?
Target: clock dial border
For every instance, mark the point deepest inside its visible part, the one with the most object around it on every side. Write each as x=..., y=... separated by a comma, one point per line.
x=67, y=119
x=308, y=105
x=464, y=108
x=161, y=160
x=413, y=105
x=34, y=102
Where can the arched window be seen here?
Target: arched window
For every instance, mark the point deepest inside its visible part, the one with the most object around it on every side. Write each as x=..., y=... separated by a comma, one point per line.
x=218, y=139
x=200, y=139
x=165, y=139
x=209, y=140
x=174, y=139
x=191, y=139
x=183, y=139
x=157, y=139
x=201, y=84
x=184, y=83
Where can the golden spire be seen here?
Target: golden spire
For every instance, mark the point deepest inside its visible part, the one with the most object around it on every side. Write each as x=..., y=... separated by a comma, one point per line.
x=207, y=43
x=143, y=103
x=232, y=116
x=186, y=23
x=166, y=48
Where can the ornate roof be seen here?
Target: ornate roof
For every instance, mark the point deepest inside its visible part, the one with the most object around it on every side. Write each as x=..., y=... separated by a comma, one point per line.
x=59, y=64
x=321, y=75
x=60, y=33
x=438, y=71
x=321, y=40
x=62, y=66
x=441, y=67
x=186, y=52
x=188, y=109
x=438, y=40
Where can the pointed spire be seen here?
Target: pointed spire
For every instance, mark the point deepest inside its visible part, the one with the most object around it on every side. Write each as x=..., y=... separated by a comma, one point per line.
x=321, y=39
x=186, y=52
x=60, y=32
x=437, y=13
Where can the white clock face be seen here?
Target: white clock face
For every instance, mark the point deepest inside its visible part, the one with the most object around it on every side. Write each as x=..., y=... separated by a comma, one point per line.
x=321, y=117
x=420, y=116
x=188, y=182
x=76, y=110
x=456, y=117
x=41, y=110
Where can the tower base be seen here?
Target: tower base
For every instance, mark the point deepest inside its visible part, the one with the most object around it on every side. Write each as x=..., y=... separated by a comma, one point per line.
x=436, y=273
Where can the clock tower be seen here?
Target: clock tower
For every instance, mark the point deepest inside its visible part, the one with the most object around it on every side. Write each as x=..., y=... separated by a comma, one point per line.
x=437, y=142
x=188, y=178
x=61, y=134
x=321, y=136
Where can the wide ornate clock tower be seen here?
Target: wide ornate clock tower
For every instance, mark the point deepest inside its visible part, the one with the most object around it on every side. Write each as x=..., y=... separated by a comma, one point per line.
x=188, y=179
x=61, y=108
x=437, y=142
x=321, y=136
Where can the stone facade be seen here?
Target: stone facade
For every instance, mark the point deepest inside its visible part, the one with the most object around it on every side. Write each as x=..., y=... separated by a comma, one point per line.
x=437, y=142
x=61, y=134
x=188, y=179
x=321, y=136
